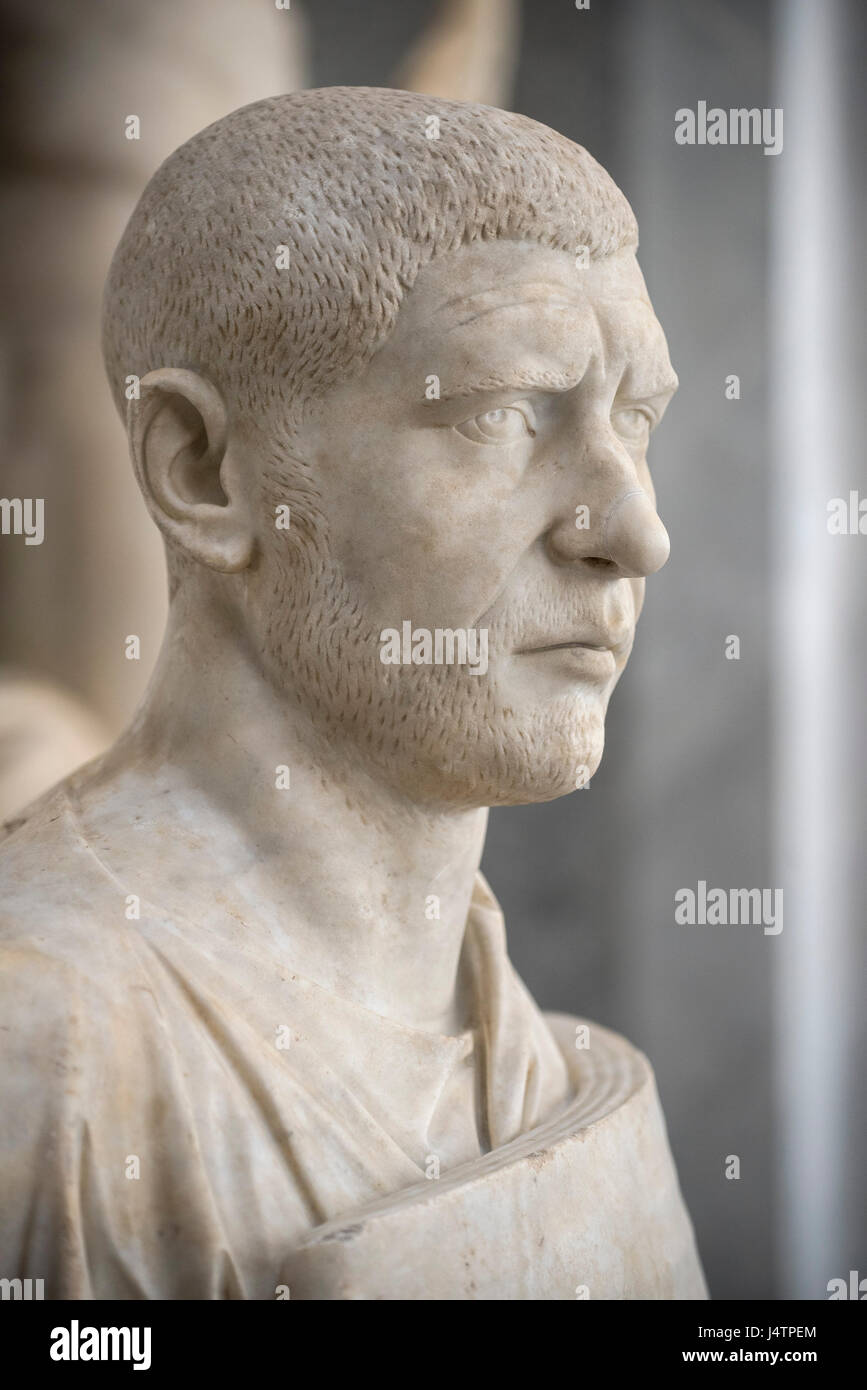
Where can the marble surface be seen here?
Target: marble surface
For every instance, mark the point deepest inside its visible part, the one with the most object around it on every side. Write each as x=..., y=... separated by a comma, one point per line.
x=253, y=976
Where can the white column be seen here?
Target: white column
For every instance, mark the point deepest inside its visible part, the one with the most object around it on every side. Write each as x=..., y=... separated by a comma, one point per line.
x=812, y=617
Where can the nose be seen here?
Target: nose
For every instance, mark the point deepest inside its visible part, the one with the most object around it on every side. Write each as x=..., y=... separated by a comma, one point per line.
x=618, y=528
x=633, y=537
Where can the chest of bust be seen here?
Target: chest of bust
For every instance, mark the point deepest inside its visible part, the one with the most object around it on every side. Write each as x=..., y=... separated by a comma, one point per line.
x=586, y=1206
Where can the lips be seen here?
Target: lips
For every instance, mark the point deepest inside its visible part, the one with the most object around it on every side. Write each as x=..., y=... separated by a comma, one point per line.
x=565, y=646
x=593, y=663
x=597, y=640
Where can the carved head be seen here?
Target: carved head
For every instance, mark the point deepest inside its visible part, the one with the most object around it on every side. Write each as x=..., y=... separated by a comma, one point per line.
x=398, y=370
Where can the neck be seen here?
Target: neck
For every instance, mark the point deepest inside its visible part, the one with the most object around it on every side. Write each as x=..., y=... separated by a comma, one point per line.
x=368, y=891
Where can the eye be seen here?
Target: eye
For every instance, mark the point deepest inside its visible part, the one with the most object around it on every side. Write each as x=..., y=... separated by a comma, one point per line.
x=506, y=425
x=632, y=423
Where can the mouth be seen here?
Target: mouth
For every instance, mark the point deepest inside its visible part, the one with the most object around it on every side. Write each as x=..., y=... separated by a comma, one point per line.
x=594, y=656
x=567, y=646
x=595, y=642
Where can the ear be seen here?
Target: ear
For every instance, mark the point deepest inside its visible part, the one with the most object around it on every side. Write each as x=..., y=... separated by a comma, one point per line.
x=191, y=480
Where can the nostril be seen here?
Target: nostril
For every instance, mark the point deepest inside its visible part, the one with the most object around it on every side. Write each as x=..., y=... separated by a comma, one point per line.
x=599, y=562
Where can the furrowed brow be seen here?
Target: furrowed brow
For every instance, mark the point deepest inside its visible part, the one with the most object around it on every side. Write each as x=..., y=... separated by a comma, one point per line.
x=518, y=380
x=663, y=387
x=477, y=306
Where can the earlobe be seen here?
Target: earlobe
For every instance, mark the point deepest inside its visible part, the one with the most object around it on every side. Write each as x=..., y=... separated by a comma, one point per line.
x=179, y=441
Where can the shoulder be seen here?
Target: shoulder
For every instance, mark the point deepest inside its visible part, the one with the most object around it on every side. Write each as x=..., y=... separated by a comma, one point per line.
x=78, y=1016
x=68, y=962
x=52, y=882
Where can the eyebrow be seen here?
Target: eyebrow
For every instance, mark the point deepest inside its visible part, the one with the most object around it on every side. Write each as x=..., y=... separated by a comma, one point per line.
x=528, y=379
x=665, y=386
x=520, y=378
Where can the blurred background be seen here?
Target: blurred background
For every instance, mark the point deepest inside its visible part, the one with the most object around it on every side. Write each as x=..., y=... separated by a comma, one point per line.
x=746, y=773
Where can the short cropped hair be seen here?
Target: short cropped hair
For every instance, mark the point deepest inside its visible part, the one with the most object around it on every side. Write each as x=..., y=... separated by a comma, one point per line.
x=361, y=187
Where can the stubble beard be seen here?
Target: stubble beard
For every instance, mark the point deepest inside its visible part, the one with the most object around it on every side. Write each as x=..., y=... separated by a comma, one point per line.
x=436, y=734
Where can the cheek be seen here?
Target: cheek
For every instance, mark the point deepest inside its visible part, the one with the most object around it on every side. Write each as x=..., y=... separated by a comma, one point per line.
x=418, y=536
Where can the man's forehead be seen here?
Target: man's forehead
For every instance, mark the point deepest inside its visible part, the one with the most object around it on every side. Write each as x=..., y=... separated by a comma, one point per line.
x=504, y=300
x=477, y=279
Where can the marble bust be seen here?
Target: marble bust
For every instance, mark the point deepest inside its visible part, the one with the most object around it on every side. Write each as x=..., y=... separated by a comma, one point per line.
x=388, y=369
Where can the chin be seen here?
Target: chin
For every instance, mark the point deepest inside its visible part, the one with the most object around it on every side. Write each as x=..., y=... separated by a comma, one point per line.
x=560, y=751
x=518, y=761
x=549, y=777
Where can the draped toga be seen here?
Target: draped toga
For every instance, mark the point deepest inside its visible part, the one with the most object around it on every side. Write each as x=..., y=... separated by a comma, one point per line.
x=178, y=1113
